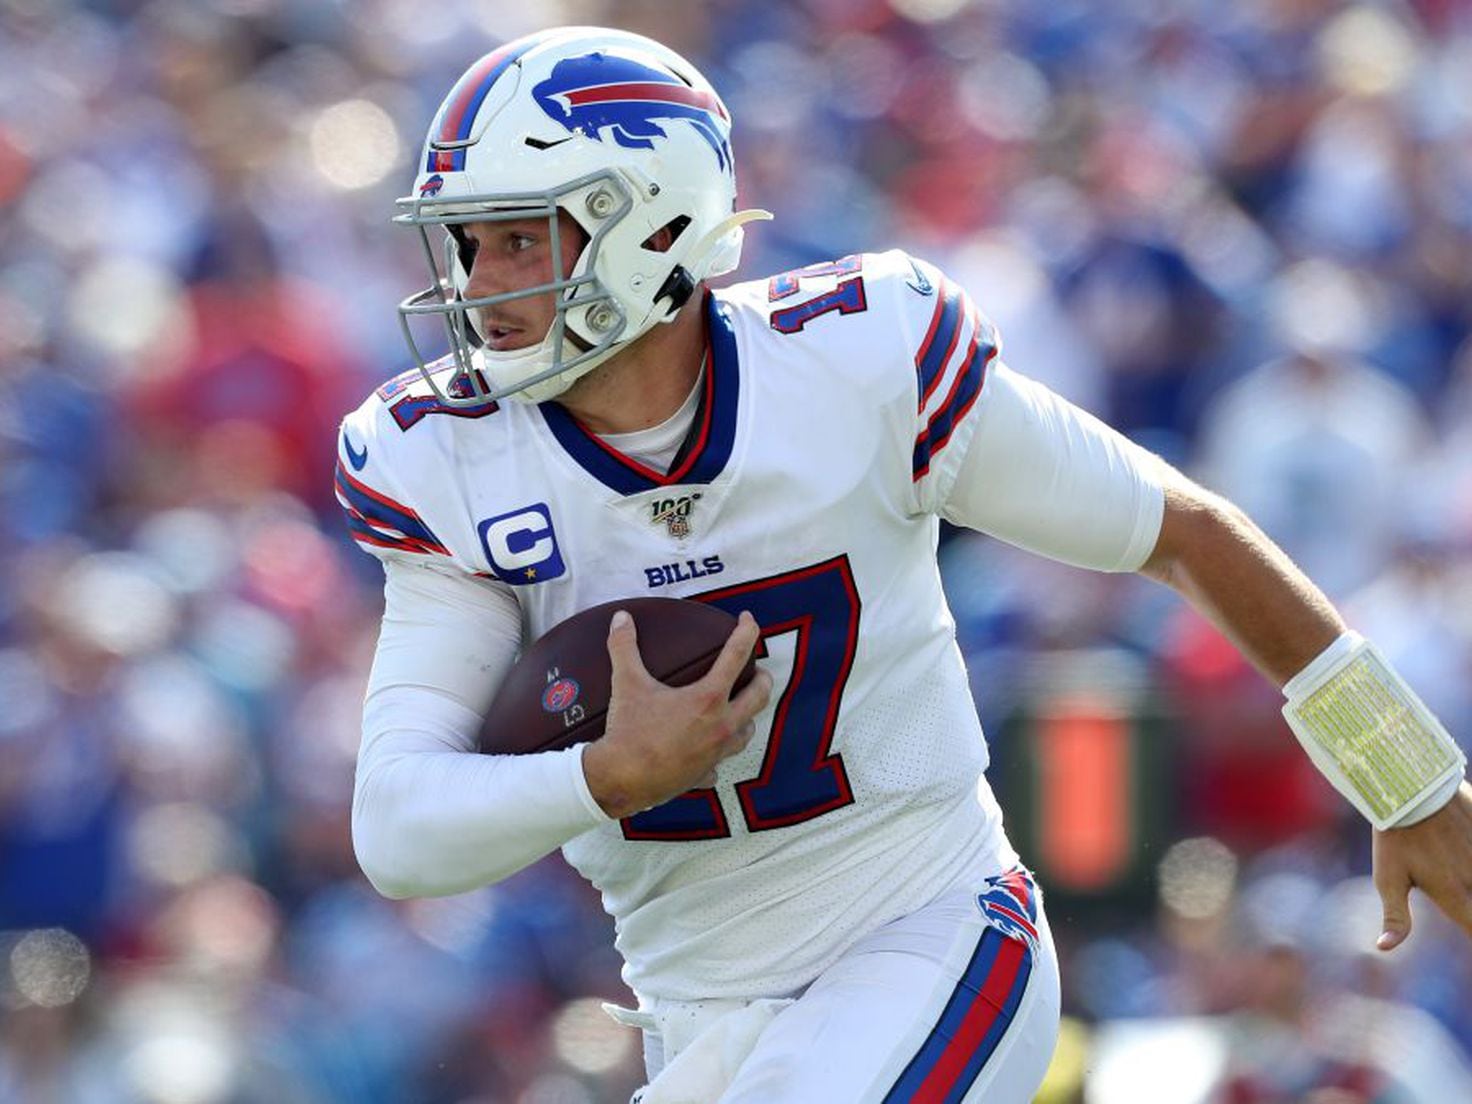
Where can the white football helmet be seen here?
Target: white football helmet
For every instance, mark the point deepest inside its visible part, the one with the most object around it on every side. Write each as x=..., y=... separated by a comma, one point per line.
x=621, y=133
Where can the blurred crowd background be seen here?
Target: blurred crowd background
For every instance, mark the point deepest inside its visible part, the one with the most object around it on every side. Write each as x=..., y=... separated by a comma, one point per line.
x=1241, y=232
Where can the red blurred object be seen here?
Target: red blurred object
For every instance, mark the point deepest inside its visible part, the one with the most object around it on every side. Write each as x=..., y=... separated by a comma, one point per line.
x=266, y=356
x=1244, y=777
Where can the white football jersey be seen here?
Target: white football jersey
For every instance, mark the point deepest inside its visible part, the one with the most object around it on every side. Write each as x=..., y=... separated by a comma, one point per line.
x=839, y=401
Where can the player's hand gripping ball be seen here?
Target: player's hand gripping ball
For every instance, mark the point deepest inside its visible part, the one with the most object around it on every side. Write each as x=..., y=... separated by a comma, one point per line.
x=557, y=693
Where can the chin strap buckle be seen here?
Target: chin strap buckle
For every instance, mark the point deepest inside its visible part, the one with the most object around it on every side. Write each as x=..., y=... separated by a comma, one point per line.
x=679, y=285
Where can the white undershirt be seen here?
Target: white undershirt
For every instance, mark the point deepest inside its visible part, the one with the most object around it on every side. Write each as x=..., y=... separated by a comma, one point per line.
x=656, y=446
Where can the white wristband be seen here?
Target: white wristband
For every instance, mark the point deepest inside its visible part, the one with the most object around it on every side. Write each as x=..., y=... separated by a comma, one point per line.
x=1371, y=735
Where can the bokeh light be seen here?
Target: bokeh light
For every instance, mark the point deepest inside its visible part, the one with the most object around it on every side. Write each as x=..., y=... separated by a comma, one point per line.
x=114, y=601
x=180, y=734
x=354, y=144
x=1367, y=51
x=588, y=1039
x=927, y=11
x=126, y=307
x=178, y=1052
x=180, y=843
x=876, y=69
x=1197, y=877
x=243, y=645
x=226, y=926
x=1320, y=307
x=194, y=549
x=1006, y=97
x=50, y=967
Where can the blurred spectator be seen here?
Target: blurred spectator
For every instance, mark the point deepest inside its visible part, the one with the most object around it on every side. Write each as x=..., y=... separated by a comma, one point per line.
x=1317, y=446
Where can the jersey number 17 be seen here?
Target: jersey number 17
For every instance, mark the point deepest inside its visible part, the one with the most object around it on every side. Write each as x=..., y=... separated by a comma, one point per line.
x=800, y=777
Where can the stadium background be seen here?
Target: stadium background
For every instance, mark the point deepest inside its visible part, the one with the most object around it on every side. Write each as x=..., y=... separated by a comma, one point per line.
x=1242, y=232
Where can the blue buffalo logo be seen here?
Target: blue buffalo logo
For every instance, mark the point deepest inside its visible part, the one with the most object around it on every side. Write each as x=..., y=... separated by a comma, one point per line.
x=432, y=186
x=598, y=92
x=1010, y=905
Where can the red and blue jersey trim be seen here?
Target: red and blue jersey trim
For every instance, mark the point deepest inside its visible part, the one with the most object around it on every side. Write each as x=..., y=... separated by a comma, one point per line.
x=983, y=1003
x=375, y=519
x=713, y=435
x=940, y=340
x=457, y=114
x=964, y=391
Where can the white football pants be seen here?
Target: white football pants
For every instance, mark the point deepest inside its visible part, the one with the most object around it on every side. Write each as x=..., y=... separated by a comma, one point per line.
x=957, y=1002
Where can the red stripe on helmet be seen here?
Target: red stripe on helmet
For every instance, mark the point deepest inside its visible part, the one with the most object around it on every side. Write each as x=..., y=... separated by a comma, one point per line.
x=471, y=88
x=648, y=90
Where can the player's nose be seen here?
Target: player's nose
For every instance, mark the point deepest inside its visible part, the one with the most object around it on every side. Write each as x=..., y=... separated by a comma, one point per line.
x=484, y=280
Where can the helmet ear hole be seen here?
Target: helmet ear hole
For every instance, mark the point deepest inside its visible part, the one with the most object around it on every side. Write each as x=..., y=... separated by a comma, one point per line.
x=465, y=247
x=663, y=239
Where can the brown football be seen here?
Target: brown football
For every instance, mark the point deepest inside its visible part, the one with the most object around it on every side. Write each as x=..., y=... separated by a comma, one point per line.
x=556, y=694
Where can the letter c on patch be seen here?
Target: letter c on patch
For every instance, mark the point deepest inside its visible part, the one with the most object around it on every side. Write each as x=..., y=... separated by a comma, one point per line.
x=521, y=546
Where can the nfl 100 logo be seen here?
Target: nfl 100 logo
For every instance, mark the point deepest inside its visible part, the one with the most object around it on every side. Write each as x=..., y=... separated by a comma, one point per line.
x=675, y=513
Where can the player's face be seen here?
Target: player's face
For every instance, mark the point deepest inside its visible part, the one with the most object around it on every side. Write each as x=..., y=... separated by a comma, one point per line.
x=510, y=256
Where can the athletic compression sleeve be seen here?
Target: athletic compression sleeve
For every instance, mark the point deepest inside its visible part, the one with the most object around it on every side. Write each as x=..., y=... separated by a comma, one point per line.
x=430, y=816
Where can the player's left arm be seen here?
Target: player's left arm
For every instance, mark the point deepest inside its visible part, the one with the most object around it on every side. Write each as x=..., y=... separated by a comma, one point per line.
x=1000, y=453
x=1212, y=554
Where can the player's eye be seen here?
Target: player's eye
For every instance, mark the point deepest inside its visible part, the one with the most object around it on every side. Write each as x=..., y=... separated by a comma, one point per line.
x=520, y=243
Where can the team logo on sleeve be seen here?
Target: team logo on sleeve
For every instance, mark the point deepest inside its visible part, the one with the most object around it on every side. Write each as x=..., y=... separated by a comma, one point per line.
x=600, y=92
x=521, y=546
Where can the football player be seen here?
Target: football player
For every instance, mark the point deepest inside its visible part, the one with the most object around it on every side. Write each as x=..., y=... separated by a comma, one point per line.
x=814, y=895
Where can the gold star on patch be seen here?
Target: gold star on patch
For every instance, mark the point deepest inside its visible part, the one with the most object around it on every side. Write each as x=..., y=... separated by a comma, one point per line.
x=531, y=573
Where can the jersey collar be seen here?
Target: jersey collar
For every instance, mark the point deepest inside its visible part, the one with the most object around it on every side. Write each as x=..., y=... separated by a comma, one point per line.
x=706, y=450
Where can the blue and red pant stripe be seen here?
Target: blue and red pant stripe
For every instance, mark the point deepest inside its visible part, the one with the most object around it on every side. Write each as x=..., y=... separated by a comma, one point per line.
x=975, y=1020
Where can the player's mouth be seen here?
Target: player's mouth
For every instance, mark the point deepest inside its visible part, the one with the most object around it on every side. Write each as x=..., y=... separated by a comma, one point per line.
x=501, y=336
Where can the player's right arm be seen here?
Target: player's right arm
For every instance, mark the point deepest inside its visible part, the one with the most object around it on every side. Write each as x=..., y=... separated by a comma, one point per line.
x=430, y=817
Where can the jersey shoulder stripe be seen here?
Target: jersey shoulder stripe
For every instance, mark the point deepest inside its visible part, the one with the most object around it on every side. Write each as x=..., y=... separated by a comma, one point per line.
x=397, y=440
x=377, y=520
x=940, y=339
x=910, y=318
x=965, y=387
x=950, y=366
